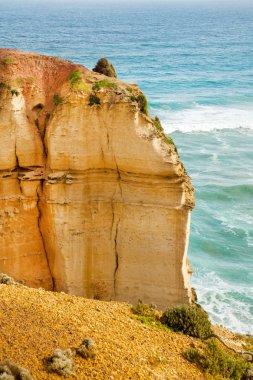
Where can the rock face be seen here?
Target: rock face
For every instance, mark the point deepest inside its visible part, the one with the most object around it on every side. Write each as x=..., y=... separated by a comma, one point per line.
x=94, y=200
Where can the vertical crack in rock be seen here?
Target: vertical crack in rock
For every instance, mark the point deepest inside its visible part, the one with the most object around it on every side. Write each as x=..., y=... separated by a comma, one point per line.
x=107, y=138
x=115, y=222
x=119, y=177
x=116, y=257
x=42, y=238
x=102, y=156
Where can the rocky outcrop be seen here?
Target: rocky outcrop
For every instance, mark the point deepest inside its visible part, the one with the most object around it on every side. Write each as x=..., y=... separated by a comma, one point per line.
x=94, y=199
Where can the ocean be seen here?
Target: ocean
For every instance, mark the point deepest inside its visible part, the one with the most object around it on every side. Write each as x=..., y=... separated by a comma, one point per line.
x=195, y=65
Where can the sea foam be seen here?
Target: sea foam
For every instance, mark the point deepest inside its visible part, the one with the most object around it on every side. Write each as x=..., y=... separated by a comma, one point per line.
x=206, y=118
x=226, y=304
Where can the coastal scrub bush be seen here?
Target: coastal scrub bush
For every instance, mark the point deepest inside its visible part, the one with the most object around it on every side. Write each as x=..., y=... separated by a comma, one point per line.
x=75, y=75
x=76, y=81
x=94, y=100
x=159, y=127
x=168, y=140
x=142, y=102
x=157, y=124
x=144, y=309
x=86, y=349
x=60, y=362
x=103, y=83
x=57, y=99
x=7, y=61
x=4, y=85
x=190, y=320
x=11, y=371
x=103, y=66
x=7, y=280
x=129, y=89
x=215, y=361
x=148, y=315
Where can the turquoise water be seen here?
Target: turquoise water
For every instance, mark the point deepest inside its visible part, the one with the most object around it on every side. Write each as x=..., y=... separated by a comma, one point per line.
x=196, y=67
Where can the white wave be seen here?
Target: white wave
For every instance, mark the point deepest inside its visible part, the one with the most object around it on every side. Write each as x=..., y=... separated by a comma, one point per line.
x=224, y=302
x=206, y=118
x=249, y=239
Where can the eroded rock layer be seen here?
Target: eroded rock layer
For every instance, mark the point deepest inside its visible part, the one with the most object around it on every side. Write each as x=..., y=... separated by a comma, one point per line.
x=94, y=199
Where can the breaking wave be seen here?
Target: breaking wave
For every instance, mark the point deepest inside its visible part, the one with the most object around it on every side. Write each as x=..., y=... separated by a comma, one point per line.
x=226, y=304
x=206, y=118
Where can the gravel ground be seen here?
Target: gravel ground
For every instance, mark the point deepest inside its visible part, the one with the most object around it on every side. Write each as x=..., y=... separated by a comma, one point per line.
x=35, y=322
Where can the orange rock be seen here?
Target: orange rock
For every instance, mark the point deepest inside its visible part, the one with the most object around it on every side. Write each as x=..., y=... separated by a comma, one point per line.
x=94, y=199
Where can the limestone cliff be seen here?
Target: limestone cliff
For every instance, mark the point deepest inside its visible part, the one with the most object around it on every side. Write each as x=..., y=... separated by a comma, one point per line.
x=94, y=199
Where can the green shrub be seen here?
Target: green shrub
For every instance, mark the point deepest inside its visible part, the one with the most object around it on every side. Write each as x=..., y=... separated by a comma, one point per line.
x=76, y=81
x=168, y=140
x=129, y=89
x=3, y=85
x=148, y=315
x=76, y=74
x=144, y=309
x=142, y=102
x=248, y=343
x=60, y=362
x=8, y=60
x=215, y=361
x=103, y=83
x=103, y=66
x=87, y=349
x=57, y=99
x=190, y=320
x=11, y=371
x=157, y=124
x=94, y=100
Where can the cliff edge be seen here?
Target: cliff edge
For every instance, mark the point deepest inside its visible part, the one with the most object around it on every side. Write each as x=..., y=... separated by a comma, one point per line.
x=94, y=199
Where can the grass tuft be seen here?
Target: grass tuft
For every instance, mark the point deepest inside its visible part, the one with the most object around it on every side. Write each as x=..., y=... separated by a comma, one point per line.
x=57, y=99
x=4, y=85
x=87, y=349
x=216, y=362
x=168, y=140
x=12, y=371
x=7, y=61
x=148, y=315
x=103, y=83
x=76, y=81
x=157, y=124
x=142, y=102
x=94, y=100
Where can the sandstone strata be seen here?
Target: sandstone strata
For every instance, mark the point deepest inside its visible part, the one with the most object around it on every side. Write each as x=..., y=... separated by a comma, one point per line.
x=94, y=199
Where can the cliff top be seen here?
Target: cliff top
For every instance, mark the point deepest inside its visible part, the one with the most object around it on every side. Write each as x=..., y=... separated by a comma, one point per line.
x=45, y=83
